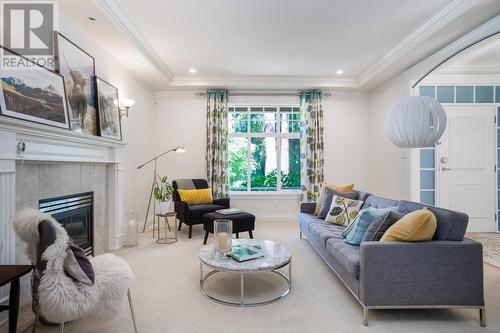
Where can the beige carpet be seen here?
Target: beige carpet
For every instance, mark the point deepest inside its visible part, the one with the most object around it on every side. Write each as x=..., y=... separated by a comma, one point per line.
x=167, y=297
x=491, y=246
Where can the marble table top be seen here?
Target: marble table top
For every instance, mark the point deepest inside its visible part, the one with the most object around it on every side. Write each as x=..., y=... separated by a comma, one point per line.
x=276, y=255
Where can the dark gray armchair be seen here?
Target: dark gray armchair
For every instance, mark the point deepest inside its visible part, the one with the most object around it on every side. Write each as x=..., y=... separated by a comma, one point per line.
x=192, y=214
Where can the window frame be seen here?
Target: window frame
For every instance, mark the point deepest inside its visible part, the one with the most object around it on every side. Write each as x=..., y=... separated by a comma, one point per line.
x=278, y=135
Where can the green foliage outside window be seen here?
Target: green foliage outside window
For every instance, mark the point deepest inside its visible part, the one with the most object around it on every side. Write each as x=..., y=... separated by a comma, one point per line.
x=238, y=153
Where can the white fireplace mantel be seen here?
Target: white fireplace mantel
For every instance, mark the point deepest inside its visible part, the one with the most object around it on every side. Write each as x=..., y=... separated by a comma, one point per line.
x=45, y=144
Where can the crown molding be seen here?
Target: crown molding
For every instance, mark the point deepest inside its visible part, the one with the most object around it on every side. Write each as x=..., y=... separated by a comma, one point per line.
x=262, y=82
x=111, y=10
x=443, y=18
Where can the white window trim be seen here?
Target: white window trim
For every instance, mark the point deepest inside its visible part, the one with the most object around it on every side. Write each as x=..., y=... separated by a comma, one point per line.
x=279, y=191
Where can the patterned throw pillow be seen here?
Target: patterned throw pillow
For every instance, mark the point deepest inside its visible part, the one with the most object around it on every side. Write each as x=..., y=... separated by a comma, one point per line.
x=327, y=198
x=343, y=210
x=337, y=187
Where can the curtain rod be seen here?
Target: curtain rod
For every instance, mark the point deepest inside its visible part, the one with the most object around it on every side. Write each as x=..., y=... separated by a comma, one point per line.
x=202, y=93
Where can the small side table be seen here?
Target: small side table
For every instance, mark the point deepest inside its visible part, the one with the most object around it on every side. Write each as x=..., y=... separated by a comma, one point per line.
x=167, y=239
x=11, y=274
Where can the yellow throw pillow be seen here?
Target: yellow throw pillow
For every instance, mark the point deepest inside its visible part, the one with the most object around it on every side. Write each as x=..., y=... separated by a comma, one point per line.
x=196, y=197
x=419, y=225
x=336, y=187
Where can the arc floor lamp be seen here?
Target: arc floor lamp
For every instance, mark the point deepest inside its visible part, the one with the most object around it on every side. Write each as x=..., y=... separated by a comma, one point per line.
x=178, y=149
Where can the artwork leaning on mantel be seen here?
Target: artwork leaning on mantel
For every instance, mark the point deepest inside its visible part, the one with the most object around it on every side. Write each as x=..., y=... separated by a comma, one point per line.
x=78, y=69
x=108, y=110
x=32, y=92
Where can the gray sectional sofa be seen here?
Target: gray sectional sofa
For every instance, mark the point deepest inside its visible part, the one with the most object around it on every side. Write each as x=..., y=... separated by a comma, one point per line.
x=446, y=272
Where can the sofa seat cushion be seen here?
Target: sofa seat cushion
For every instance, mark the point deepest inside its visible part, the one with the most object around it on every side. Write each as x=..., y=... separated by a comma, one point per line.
x=321, y=232
x=347, y=255
x=307, y=220
x=202, y=209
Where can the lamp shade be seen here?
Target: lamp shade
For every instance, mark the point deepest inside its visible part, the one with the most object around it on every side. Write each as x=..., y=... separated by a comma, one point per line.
x=415, y=122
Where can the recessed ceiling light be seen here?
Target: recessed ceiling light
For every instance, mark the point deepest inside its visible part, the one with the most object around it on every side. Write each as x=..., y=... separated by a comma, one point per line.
x=192, y=70
x=91, y=18
x=340, y=72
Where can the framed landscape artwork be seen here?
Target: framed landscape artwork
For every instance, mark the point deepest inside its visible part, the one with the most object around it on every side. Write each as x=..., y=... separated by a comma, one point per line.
x=108, y=110
x=78, y=69
x=33, y=93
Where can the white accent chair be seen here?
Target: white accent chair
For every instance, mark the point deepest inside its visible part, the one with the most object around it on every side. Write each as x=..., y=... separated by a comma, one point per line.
x=57, y=298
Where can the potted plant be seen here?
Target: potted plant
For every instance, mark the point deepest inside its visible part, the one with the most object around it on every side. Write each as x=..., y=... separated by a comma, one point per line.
x=163, y=191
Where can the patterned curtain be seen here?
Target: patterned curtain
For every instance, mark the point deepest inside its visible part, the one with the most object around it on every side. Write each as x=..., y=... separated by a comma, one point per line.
x=216, y=156
x=311, y=144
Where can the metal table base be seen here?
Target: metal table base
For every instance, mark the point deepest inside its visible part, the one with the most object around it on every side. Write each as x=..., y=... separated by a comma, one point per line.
x=168, y=228
x=241, y=303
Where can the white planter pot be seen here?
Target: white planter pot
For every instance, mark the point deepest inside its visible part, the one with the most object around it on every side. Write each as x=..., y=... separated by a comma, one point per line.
x=164, y=206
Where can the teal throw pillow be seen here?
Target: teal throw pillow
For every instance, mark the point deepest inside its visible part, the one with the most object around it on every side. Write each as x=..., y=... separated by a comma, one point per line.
x=365, y=218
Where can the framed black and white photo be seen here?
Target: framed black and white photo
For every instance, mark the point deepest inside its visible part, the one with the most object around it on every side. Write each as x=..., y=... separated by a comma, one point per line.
x=32, y=92
x=78, y=69
x=108, y=110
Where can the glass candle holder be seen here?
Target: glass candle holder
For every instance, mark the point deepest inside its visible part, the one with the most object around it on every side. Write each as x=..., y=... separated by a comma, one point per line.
x=223, y=231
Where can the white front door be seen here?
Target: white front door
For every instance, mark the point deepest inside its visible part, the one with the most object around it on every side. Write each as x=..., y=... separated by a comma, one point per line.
x=466, y=158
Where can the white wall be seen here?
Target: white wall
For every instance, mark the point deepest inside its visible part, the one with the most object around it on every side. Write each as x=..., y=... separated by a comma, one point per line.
x=137, y=128
x=388, y=166
x=181, y=120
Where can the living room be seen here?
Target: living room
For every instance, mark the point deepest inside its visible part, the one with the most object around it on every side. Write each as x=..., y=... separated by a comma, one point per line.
x=175, y=158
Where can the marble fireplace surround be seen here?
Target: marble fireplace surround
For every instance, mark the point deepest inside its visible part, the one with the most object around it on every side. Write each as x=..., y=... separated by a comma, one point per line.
x=74, y=162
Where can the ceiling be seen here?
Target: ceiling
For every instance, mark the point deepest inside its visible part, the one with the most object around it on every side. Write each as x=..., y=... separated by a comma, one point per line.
x=278, y=44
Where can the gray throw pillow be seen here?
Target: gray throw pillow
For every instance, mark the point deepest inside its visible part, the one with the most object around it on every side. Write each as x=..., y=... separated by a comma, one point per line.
x=378, y=227
x=78, y=266
x=326, y=201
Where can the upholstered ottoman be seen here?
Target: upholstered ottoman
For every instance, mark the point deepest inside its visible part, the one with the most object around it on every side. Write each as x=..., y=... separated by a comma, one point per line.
x=242, y=222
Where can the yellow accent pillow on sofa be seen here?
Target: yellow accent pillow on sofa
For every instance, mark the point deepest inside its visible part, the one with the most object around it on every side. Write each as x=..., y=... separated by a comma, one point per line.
x=196, y=197
x=419, y=225
x=335, y=187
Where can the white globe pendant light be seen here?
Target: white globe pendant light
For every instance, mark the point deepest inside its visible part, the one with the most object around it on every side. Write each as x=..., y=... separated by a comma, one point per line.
x=415, y=122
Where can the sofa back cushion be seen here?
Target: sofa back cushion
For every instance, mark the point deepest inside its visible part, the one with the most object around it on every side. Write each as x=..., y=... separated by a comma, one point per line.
x=362, y=195
x=451, y=225
x=379, y=202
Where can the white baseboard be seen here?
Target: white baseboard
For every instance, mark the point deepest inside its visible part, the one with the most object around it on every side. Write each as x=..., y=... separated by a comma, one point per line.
x=276, y=217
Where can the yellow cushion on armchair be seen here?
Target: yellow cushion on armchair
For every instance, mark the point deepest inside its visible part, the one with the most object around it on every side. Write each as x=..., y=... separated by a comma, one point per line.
x=196, y=197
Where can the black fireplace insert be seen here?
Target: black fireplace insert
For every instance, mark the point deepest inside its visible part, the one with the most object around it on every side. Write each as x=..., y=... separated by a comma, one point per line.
x=76, y=214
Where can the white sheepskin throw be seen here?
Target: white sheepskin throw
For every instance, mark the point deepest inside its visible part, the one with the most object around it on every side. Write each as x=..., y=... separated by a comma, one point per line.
x=62, y=299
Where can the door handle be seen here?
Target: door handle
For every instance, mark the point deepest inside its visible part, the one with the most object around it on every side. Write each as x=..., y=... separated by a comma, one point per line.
x=445, y=169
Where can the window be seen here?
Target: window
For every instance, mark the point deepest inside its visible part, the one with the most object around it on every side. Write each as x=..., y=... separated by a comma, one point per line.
x=264, y=148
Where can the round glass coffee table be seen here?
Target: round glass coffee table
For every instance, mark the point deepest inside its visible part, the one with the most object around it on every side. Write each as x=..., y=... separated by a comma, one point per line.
x=276, y=256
